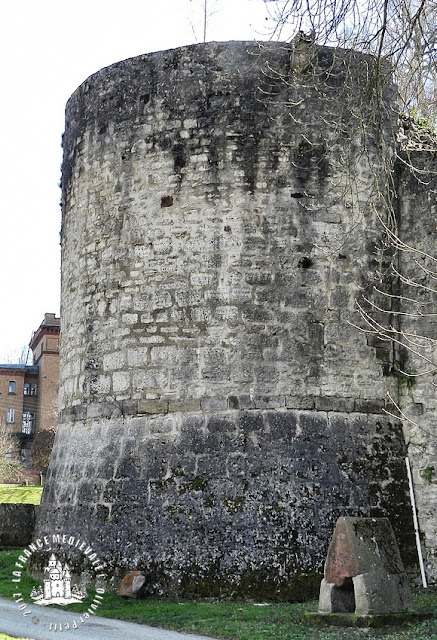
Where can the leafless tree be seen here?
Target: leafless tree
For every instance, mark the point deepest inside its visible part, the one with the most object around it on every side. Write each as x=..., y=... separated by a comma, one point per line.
x=401, y=35
x=11, y=468
x=42, y=448
x=403, y=32
x=21, y=355
x=207, y=8
x=407, y=319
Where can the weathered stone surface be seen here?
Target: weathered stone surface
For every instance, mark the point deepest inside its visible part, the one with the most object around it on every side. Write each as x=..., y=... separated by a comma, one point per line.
x=161, y=320
x=379, y=592
x=368, y=622
x=417, y=210
x=243, y=484
x=152, y=406
x=364, y=573
x=132, y=584
x=17, y=522
x=196, y=218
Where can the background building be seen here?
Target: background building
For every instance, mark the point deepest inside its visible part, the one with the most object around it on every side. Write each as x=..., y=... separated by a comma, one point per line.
x=28, y=393
x=45, y=347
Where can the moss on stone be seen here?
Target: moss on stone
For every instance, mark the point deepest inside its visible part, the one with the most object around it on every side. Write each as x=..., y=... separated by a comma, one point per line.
x=255, y=585
x=199, y=483
x=233, y=505
x=371, y=621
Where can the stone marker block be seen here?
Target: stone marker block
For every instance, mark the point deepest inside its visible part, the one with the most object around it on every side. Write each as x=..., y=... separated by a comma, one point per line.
x=363, y=570
x=132, y=584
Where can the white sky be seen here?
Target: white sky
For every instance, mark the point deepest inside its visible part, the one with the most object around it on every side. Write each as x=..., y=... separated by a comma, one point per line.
x=48, y=48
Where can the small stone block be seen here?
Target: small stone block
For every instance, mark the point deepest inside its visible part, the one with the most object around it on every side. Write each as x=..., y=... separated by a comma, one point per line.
x=334, y=403
x=299, y=402
x=368, y=406
x=80, y=412
x=132, y=584
x=130, y=407
x=103, y=410
x=245, y=402
x=233, y=402
x=269, y=402
x=214, y=403
x=152, y=406
x=183, y=405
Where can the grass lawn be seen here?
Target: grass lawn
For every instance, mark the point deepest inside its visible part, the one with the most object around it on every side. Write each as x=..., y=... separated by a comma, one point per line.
x=231, y=620
x=3, y=636
x=14, y=493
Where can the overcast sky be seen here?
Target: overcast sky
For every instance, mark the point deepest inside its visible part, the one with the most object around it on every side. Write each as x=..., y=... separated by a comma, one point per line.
x=48, y=48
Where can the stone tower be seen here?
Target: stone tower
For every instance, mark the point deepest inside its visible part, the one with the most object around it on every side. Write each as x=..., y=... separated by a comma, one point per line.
x=217, y=411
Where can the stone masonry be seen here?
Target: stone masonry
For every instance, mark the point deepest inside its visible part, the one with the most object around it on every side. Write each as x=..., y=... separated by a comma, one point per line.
x=218, y=412
x=417, y=213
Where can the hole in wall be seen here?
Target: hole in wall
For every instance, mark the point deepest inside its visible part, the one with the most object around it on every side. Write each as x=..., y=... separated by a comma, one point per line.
x=281, y=181
x=166, y=201
x=305, y=263
x=297, y=194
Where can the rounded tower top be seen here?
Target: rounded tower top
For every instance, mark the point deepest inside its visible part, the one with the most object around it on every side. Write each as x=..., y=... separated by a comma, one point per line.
x=203, y=189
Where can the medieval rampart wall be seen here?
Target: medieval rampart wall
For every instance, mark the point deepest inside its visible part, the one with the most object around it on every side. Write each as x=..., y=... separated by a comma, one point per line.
x=218, y=412
x=417, y=213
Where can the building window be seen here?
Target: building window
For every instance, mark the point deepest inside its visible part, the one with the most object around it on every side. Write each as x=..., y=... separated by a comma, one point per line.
x=28, y=423
x=29, y=389
x=11, y=386
x=11, y=416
